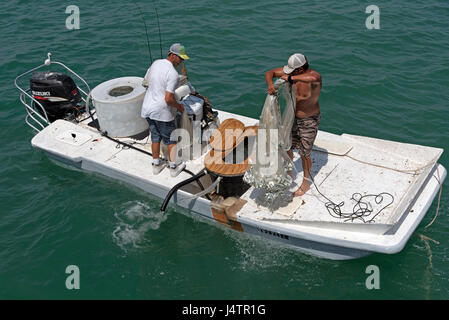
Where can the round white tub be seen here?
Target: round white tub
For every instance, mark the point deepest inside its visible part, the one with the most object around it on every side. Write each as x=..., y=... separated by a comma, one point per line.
x=118, y=103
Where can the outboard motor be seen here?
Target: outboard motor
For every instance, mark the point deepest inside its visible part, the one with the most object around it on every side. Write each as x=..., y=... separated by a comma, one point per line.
x=57, y=93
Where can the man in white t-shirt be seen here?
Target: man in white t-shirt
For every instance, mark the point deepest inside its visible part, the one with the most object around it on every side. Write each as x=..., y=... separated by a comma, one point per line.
x=162, y=79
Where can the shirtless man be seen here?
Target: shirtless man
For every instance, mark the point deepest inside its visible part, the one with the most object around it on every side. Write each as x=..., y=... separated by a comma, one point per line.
x=307, y=85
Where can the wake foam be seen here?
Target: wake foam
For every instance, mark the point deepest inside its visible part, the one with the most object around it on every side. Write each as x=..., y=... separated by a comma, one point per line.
x=134, y=220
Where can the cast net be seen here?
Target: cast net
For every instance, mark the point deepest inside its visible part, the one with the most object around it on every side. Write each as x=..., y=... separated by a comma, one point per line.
x=269, y=160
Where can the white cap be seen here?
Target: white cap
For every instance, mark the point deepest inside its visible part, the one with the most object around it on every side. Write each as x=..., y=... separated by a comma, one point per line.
x=295, y=61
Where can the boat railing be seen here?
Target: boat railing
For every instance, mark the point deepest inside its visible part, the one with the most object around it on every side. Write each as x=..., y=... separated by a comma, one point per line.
x=37, y=117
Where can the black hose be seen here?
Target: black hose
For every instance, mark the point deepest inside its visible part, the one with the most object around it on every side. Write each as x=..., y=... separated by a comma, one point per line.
x=198, y=182
x=179, y=185
x=105, y=134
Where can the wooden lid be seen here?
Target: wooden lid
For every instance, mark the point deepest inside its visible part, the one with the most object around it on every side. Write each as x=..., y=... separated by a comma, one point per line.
x=226, y=135
x=215, y=162
x=226, y=138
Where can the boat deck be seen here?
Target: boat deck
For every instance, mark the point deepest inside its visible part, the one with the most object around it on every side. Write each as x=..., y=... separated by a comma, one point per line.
x=379, y=171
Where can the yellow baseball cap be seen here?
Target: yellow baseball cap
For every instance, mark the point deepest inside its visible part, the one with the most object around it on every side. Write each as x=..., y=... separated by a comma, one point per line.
x=179, y=50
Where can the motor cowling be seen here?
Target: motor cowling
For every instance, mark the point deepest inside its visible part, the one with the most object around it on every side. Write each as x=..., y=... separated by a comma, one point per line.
x=57, y=93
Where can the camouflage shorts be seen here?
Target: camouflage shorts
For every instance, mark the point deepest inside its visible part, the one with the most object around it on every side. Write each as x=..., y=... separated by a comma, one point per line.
x=304, y=132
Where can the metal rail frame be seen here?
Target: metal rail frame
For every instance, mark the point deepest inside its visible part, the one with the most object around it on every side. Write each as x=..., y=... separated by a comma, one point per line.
x=34, y=118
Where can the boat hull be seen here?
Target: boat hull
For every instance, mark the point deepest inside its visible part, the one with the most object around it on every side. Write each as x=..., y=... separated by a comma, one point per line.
x=82, y=147
x=334, y=245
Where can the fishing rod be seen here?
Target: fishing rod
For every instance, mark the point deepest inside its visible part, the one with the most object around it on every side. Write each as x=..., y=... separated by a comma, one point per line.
x=158, y=26
x=146, y=32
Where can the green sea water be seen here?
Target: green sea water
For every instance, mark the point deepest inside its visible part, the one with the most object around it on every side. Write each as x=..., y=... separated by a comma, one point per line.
x=388, y=83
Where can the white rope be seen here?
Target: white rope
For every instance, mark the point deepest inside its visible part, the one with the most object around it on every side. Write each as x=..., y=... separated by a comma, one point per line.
x=412, y=171
x=207, y=190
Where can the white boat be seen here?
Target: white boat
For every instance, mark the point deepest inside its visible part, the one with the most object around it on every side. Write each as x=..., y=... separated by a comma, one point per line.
x=387, y=187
